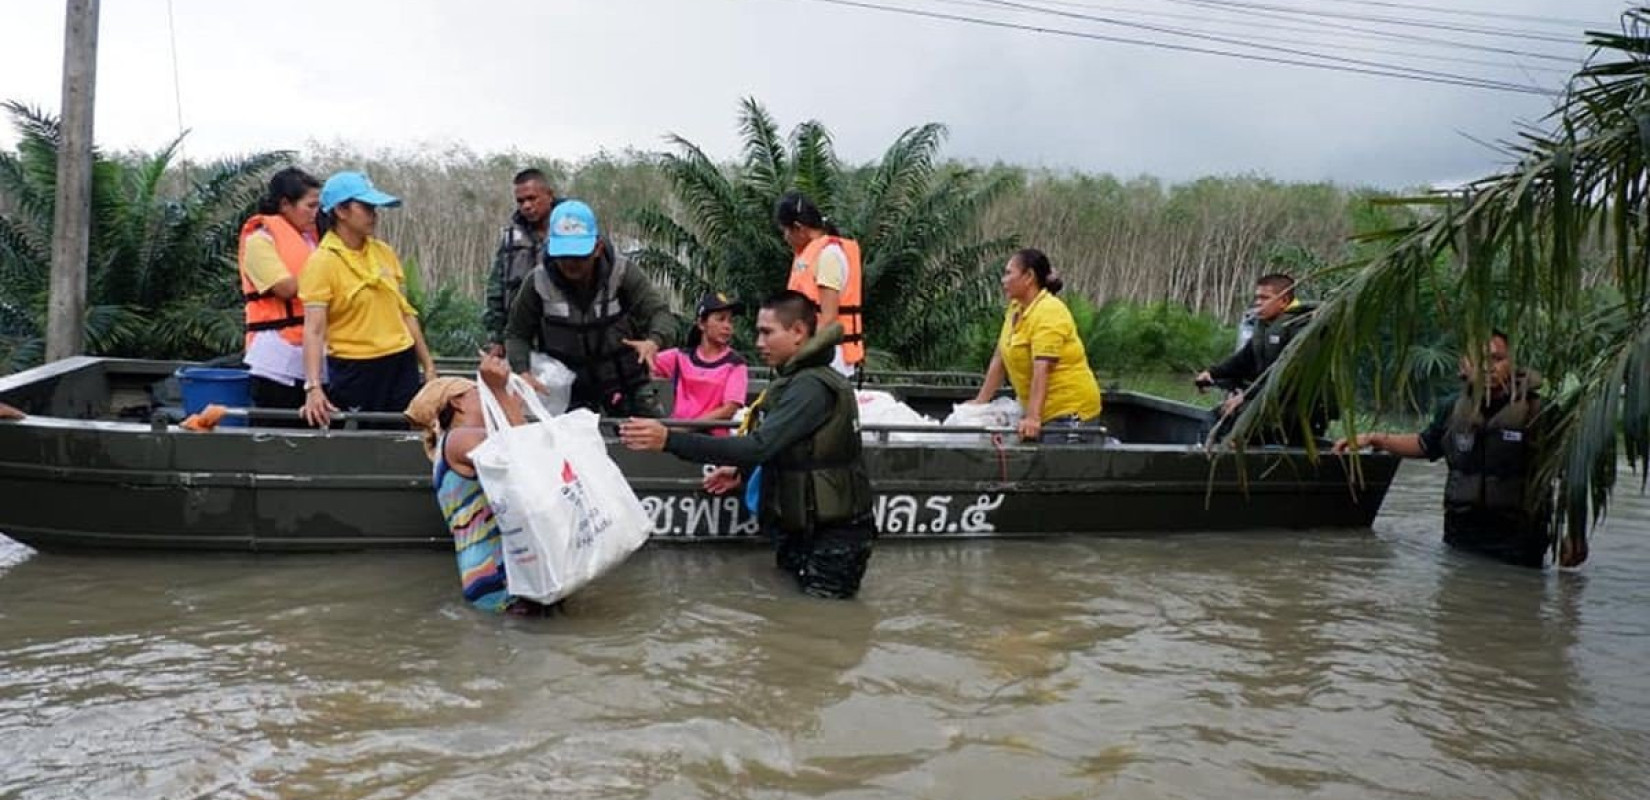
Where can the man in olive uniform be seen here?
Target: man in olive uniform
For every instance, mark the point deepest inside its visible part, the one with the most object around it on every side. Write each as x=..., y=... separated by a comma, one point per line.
x=815, y=493
x=591, y=309
x=1490, y=446
x=1278, y=318
x=520, y=249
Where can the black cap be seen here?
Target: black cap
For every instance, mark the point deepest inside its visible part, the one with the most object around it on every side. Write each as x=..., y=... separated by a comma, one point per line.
x=716, y=301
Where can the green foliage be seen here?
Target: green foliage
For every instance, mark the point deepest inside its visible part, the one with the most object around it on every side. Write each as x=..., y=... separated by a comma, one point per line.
x=1121, y=338
x=451, y=319
x=927, y=271
x=1550, y=249
x=1125, y=338
x=162, y=280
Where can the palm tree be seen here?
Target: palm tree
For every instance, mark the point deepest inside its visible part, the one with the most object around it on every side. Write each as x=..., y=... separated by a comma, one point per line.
x=927, y=269
x=161, y=279
x=1555, y=250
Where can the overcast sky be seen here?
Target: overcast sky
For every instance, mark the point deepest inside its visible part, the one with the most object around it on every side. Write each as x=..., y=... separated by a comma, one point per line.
x=568, y=78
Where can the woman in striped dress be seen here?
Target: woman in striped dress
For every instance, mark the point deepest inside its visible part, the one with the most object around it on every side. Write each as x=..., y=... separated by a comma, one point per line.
x=449, y=412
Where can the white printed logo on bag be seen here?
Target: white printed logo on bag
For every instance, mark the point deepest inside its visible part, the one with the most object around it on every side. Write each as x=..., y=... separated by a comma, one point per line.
x=591, y=519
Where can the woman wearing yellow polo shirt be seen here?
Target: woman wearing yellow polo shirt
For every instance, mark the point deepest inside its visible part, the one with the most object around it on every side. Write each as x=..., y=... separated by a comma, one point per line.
x=1041, y=354
x=356, y=312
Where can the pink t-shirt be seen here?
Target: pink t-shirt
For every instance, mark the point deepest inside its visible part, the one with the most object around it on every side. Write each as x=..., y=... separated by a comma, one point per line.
x=703, y=385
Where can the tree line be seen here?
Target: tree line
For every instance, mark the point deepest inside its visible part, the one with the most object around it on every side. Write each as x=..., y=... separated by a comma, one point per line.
x=162, y=274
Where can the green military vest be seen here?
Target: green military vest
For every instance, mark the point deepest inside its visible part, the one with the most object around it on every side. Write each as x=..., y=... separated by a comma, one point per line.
x=1272, y=337
x=1489, y=458
x=820, y=480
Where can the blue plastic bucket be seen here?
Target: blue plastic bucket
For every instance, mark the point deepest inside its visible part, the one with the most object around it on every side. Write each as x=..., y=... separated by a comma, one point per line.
x=226, y=387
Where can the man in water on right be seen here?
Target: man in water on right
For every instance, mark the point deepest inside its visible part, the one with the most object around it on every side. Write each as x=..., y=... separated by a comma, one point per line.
x=1491, y=506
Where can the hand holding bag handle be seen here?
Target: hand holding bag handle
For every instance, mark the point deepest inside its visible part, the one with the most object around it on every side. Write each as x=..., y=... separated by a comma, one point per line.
x=493, y=411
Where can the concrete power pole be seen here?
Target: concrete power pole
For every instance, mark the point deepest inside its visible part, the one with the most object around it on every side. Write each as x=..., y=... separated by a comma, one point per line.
x=71, y=224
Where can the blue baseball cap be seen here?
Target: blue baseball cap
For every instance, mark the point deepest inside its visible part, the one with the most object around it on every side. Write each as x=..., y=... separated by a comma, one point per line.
x=573, y=230
x=353, y=186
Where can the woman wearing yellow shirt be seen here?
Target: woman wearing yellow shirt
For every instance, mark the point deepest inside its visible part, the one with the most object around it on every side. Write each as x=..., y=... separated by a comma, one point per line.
x=1041, y=354
x=356, y=312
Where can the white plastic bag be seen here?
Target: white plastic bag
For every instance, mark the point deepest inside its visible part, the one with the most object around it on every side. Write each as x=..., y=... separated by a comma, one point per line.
x=881, y=408
x=556, y=379
x=565, y=513
x=1003, y=412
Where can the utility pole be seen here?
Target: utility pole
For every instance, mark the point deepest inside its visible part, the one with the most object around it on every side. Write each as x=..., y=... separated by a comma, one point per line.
x=71, y=221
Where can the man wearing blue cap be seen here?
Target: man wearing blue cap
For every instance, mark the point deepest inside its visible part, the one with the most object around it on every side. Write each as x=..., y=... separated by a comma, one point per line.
x=356, y=312
x=592, y=310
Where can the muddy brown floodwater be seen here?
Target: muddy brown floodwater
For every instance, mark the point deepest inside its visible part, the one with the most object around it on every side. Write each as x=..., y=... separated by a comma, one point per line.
x=1266, y=665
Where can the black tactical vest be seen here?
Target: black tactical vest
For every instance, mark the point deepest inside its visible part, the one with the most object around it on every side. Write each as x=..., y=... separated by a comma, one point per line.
x=821, y=480
x=1488, y=459
x=589, y=339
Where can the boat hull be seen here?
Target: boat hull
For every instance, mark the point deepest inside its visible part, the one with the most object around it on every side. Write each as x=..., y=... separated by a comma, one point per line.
x=74, y=480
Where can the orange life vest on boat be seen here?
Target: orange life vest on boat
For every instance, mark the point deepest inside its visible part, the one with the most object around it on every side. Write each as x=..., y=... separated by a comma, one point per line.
x=805, y=279
x=266, y=312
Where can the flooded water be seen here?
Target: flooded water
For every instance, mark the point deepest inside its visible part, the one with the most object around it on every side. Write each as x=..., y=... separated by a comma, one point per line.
x=1336, y=665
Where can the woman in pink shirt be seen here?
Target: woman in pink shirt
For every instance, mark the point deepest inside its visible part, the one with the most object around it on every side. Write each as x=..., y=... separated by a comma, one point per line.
x=710, y=376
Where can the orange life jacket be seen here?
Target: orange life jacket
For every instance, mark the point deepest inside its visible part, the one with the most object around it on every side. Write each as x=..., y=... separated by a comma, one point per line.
x=805, y=279
x=266, y=312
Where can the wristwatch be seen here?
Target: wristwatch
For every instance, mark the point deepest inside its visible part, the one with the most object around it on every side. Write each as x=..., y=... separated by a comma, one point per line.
x=308, y=385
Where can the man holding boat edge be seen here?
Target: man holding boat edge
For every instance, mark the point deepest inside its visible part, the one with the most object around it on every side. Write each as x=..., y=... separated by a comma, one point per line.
x=803, y=432
x=1279, y=318
x=1493, y=505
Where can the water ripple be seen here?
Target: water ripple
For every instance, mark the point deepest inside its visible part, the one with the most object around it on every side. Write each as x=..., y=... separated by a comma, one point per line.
x=1260, y=665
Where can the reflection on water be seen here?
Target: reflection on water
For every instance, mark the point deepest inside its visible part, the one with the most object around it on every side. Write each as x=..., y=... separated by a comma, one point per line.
x=1269, y=665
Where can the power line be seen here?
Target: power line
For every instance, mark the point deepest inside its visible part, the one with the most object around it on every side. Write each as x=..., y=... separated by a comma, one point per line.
x=1461, y=12
x=1294, y=51
x=1255, y=20
x=1540, y=37
x=1382, y=34
x=1475, y=83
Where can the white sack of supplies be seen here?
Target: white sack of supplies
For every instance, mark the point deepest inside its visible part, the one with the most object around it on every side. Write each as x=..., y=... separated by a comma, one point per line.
x=881, y=408
x=1003, y=412
x=565, y=513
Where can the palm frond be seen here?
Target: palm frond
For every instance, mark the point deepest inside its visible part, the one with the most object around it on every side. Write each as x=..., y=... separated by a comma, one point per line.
x=765, y=163
x=1549, y=249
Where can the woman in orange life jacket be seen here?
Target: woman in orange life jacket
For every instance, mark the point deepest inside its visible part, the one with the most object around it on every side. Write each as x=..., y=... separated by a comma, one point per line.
x=274, y=244
x=827, y=270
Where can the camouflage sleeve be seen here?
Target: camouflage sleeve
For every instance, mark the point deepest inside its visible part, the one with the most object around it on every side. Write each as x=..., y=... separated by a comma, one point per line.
x=521, y=332
x=497, y=315
x=649, y=312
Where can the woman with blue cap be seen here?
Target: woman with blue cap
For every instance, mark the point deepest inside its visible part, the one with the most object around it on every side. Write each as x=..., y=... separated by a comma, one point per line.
x=356, y=312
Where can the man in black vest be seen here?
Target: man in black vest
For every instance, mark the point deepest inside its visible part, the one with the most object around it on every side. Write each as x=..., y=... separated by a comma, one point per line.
x=591, y=309
x=520, y=249
x=1278, y=318
x=1491, y=505
x=804, y=435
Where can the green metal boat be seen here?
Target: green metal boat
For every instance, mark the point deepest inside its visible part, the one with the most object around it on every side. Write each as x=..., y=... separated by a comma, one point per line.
x=100, y=463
